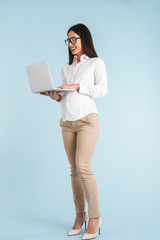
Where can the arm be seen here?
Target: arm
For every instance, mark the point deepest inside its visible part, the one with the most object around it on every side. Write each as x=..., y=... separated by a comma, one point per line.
x=63, y=82
x=60, y=94
x=65, y=85
x=100, y=86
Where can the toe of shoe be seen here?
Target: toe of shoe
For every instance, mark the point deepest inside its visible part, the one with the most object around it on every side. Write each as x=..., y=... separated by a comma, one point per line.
x=74, y=232
x=89, y=236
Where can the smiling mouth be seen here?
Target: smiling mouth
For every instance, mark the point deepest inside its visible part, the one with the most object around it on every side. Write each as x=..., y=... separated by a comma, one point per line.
x=73, y=49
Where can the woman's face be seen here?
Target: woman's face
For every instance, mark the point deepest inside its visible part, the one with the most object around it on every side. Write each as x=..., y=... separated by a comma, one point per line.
x=76, y=48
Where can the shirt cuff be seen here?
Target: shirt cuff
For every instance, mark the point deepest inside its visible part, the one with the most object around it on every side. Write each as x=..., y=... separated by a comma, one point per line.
x=62, y=93
x=83, y=88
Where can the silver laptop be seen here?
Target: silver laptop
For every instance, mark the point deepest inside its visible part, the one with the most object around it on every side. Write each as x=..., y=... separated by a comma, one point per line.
x=40, y=79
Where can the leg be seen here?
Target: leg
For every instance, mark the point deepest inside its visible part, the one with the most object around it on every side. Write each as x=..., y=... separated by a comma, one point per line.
x=69, y=140
x=86, y=141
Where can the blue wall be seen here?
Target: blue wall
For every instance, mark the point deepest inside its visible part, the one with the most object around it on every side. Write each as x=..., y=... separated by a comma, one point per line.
x=35, y=190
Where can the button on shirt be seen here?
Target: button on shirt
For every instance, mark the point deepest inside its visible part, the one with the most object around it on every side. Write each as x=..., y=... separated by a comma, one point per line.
x=91, y=74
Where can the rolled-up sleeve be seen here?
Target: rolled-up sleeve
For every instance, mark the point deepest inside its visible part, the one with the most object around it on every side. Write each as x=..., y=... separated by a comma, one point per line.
x=100, y=86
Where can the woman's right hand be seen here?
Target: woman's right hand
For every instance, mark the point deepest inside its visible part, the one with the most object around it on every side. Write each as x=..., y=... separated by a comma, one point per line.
x=53, y=94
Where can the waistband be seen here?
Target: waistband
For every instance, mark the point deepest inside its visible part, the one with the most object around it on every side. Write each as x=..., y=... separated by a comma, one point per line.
x=89, y=118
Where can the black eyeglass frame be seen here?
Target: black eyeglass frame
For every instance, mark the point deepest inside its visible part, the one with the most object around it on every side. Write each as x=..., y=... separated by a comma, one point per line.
x=67, y=41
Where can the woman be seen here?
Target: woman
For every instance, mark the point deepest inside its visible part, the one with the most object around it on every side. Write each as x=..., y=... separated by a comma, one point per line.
x=86, y=73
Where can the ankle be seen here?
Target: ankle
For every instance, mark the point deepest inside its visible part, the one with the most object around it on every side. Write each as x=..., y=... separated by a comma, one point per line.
x=80, y=214
x=93, y=220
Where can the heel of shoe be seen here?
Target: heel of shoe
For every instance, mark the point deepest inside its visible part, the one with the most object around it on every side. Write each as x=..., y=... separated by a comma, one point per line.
x=100, y=222
x=85, y=220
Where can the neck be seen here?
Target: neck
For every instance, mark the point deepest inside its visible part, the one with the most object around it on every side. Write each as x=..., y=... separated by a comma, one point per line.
x=79, y=55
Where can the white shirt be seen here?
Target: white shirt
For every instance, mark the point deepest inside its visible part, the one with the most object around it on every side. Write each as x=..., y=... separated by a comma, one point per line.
x=91, y=74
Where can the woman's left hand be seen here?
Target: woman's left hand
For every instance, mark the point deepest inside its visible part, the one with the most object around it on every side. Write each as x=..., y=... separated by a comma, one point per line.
x=70, y=86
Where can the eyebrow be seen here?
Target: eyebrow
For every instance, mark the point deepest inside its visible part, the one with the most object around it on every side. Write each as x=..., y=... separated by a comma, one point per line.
x=70, y=38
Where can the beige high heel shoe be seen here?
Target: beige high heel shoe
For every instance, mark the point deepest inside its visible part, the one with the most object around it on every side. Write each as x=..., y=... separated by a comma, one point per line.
x=77, y=231
x=89, y=236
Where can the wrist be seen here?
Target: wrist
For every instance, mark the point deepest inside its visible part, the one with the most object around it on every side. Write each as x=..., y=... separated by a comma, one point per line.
x=78, y=87
x=58, y=99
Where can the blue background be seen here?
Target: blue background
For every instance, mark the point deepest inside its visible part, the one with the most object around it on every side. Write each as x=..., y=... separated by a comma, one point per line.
x=35, y=190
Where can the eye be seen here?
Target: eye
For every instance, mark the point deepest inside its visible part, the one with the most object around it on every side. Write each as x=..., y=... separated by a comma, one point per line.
x=73, y=39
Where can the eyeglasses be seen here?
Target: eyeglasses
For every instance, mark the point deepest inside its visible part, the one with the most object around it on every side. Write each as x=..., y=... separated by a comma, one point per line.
x=73, y=40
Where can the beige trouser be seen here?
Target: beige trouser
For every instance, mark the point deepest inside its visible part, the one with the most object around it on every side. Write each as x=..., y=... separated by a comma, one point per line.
x=79, y=138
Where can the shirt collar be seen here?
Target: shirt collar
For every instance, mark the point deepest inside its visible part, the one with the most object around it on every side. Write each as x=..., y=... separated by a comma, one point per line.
x=83, y=56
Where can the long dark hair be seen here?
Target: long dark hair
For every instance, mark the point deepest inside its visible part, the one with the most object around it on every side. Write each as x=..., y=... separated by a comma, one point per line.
x=87, y=42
